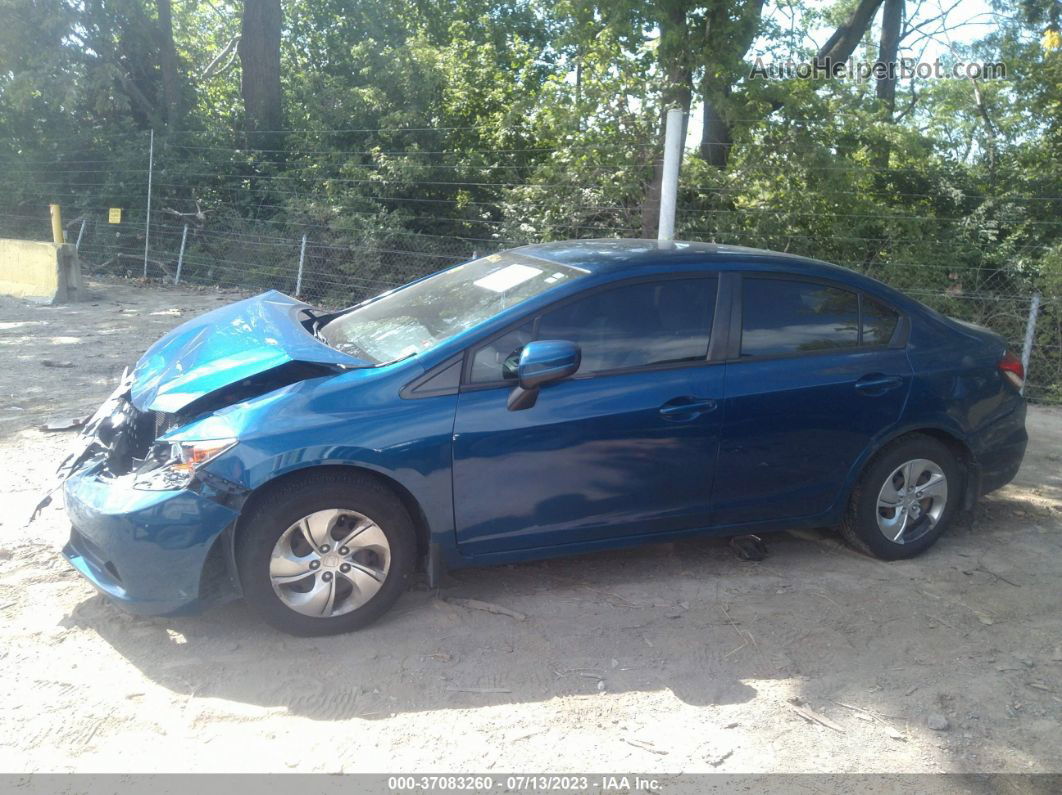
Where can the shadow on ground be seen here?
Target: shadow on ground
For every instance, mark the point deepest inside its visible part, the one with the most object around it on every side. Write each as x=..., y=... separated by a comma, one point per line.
x=685, y=617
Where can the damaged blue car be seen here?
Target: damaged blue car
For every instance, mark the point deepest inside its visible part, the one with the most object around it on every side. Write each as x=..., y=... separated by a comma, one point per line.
x=549, y=400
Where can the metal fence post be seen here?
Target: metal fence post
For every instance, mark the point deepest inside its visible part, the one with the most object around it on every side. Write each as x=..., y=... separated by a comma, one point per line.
x=180, y=257
x=147, y=219
x=80, y=234
x=1030, y=334
x=56, y=213
x=302, y=259
x=673, y=145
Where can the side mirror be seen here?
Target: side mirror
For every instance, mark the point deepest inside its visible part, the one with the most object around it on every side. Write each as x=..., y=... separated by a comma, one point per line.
x=542, y=362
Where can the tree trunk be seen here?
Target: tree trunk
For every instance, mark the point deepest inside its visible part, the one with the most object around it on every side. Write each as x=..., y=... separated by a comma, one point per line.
x=259, y=51
x=168, y=64
x=716, y=137
x=845, y=39
x=889, y=47
x=727, y=39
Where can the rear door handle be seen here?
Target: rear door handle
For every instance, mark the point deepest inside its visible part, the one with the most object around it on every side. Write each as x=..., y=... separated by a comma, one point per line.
x=687, y=407
x=877, y=384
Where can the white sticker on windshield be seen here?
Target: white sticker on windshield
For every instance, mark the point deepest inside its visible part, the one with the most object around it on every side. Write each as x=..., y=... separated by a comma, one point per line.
x=507, y=278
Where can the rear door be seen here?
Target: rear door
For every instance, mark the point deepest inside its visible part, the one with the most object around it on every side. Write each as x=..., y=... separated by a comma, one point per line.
x=816, y=371
x=625, y=447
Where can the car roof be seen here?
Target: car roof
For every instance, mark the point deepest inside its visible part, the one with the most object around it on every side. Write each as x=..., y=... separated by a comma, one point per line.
x=608, y=255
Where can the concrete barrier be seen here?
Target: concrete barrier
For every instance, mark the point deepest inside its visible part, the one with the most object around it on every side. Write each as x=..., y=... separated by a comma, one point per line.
x=44, y=272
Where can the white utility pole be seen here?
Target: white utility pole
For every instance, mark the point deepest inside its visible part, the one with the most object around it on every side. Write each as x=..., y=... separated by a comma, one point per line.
x=673, y=145
x=1030, y=335
x=302, y=259
x=147, y=219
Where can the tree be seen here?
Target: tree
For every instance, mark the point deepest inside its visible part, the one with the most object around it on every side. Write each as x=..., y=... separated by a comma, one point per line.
x=713, y=42
x=728, y=34
x=840, y=46
x=888, y=51
x=437, y=129
x=259, y=50
x=172, y=92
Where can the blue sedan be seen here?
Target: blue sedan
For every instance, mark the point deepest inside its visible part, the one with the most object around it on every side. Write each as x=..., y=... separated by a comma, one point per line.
x=548, y=400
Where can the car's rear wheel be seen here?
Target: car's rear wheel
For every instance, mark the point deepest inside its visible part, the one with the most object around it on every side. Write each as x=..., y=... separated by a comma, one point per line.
x=905, y=499
x=325, y=553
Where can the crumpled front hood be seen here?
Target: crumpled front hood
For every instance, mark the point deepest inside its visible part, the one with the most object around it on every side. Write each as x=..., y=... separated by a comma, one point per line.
x=225, y=346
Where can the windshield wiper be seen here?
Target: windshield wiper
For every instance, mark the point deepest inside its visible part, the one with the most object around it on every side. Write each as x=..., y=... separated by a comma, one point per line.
x=399, y=359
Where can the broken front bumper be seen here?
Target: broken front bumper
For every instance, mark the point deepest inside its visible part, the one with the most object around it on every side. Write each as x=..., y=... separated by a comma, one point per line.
x=146, y=550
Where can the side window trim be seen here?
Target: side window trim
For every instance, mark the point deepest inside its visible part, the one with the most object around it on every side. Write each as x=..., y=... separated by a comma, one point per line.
x=535, y=318
x=898, y=339
x=421, y=386
x=732, y=351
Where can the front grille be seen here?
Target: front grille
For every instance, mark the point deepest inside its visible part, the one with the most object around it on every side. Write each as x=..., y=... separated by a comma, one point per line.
x=164, y=422
x=141, y=434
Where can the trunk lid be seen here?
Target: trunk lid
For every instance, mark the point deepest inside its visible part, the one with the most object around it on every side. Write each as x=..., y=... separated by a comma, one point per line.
x=980, y=332
x=227, y=346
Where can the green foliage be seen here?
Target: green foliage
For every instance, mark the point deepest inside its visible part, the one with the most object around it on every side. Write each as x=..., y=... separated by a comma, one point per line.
x=421, y=132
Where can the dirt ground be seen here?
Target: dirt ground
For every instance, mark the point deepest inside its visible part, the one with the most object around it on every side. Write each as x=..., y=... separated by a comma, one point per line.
x=663, y=659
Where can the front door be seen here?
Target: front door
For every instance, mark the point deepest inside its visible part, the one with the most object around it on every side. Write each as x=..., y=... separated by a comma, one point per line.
x=626, y=447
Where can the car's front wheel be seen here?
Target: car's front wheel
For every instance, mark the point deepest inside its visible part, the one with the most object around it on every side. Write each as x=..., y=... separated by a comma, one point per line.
x=905, y=499
x=325, y=553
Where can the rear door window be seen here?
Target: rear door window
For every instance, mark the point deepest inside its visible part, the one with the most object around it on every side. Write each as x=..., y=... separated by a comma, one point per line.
x=785, y=316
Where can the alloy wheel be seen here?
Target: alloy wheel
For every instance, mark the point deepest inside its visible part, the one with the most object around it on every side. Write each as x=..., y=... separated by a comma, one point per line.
x=912, y=500
x=329, y=563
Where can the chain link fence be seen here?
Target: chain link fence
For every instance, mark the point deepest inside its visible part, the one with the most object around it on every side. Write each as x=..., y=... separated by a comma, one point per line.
x=331, y=275
x=321, y=273
x=221, y=230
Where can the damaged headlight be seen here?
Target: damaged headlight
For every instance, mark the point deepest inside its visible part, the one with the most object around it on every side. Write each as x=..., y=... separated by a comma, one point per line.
x=172, y=465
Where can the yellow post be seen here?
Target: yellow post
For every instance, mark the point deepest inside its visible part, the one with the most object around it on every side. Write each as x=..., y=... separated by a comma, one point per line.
x=57, y=224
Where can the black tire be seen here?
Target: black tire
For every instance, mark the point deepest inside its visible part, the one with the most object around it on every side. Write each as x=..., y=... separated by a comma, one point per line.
x=860, y=525
x=298, y=497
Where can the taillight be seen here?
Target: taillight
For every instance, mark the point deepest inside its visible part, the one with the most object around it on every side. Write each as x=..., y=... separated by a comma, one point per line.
x=1011, y=369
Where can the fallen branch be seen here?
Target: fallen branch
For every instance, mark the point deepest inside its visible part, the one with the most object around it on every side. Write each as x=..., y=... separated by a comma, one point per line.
x=982, y=568
x=718, y=760
x=486, y=607
x=645, y=746
x=893, y=732
x=940, y=621
x=811, y=716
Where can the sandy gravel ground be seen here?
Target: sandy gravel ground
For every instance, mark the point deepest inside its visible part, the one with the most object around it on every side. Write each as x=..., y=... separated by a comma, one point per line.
x=667, y=658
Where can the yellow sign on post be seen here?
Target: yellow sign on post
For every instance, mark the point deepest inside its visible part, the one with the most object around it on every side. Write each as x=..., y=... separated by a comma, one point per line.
x=114, y=215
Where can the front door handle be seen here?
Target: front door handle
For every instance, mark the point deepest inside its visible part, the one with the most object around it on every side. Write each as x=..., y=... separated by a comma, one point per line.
x=877, y=384
x=682, y=408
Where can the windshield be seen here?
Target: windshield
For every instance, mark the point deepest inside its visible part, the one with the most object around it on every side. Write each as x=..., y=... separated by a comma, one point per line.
x=422, y=315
